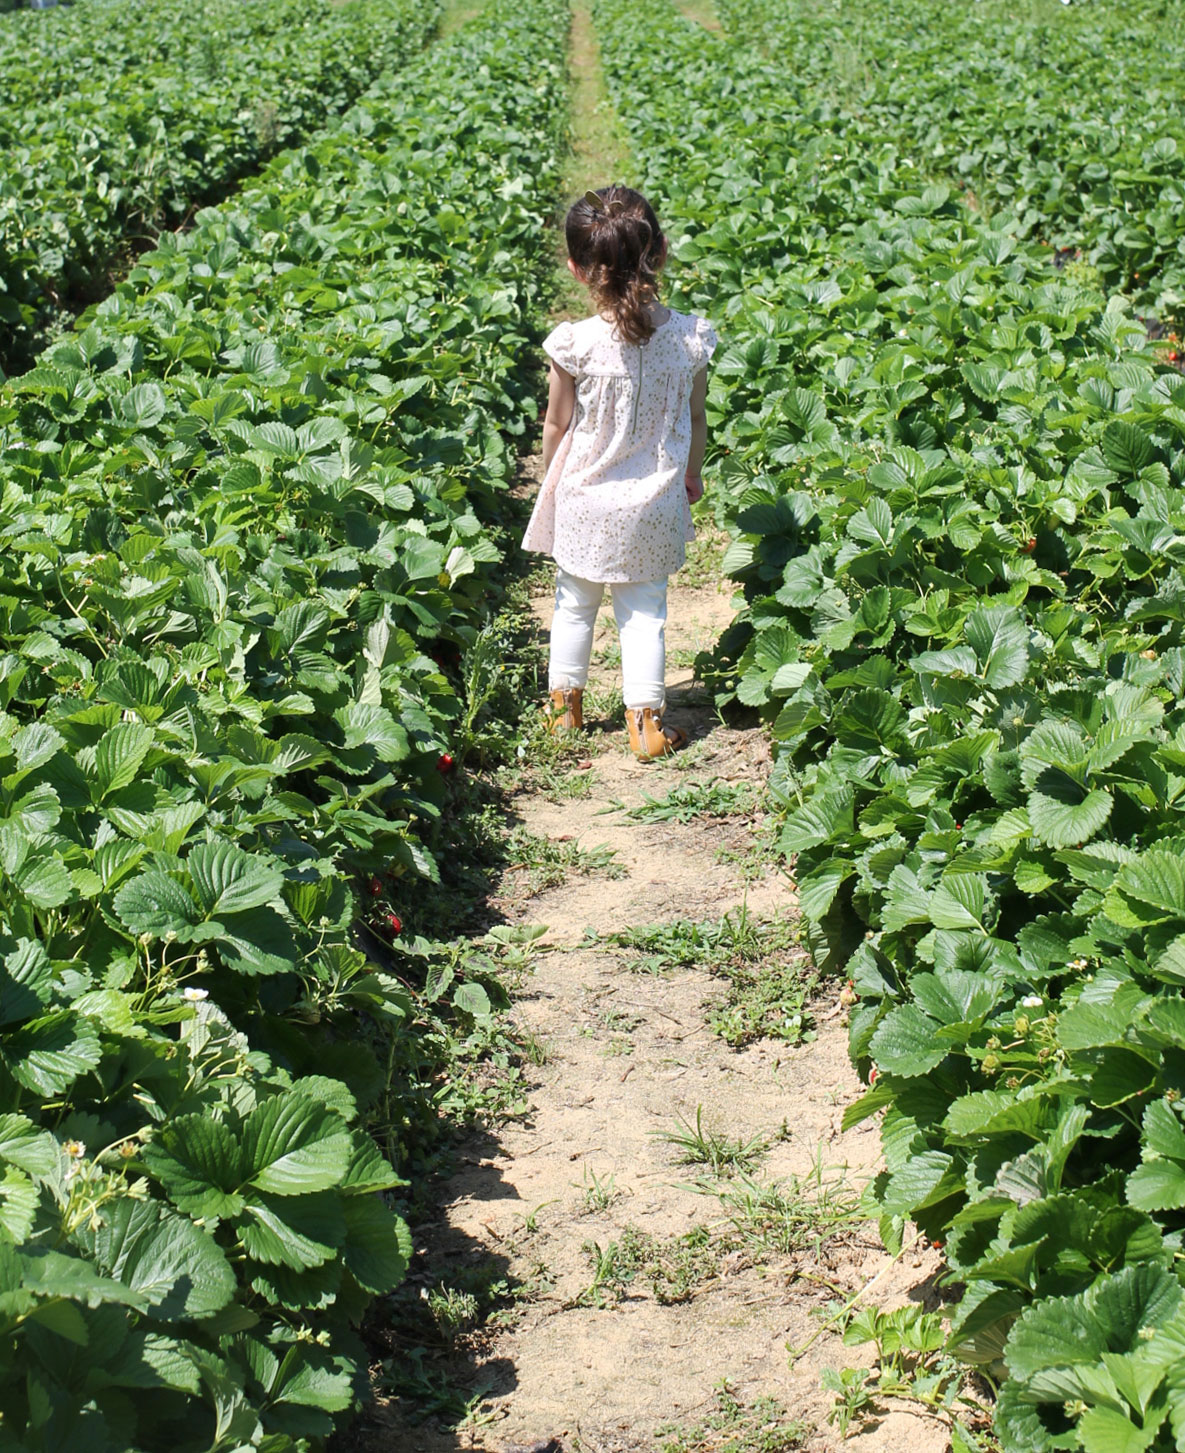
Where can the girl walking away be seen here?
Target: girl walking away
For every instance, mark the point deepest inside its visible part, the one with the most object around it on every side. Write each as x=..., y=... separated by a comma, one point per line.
x=623, y=450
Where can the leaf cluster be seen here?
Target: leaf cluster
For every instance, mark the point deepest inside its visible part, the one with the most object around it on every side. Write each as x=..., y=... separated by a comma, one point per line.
x=248, y=513
x=952, y=471
x=117, y=120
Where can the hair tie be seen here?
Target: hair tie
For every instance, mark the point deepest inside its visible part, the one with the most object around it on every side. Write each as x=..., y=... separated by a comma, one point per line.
x=614, y=207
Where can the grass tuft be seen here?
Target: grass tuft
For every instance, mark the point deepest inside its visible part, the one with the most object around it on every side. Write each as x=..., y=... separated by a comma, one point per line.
x=722, y=1154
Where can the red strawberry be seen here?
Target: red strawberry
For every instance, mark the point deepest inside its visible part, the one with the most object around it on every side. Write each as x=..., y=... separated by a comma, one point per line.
x=872, y=1075
x=1031, y=546
x=445, y=763
x=376, y=888
x=395, y=923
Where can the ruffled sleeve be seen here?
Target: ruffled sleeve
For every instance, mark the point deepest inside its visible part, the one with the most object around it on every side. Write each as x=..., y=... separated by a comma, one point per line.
x=560, y=345
x=705, y=343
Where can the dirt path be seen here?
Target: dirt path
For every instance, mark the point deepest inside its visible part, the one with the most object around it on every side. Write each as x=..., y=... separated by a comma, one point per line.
x=633, y=1296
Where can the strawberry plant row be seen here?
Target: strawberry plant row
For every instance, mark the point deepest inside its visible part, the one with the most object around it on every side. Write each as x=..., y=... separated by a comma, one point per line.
x=242, y=517
x=953, y=475
x=117, y=118
x=1066, y=120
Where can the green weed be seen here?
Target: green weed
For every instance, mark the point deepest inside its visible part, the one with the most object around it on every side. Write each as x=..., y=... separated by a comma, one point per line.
x=452, y=1310
x=688, y=943
x=910, y=1364
x=785, y=1216
x=762, y=1426
x=547, y=862
x=674, y=1267
x=770, y=980
x=598, y=1193
x=714, y=798
x=611, y=1276
x=723, y=1154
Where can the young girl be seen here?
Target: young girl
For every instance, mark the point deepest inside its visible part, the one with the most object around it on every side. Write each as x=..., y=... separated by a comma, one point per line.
x=623, y=448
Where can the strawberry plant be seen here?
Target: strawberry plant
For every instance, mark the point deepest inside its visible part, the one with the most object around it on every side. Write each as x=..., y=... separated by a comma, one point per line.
x=1060, y=121
x=952, y=471
x=241, y=506
x=117, y=120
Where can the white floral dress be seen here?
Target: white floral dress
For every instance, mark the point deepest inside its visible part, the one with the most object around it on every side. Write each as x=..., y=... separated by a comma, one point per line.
x=613, y=507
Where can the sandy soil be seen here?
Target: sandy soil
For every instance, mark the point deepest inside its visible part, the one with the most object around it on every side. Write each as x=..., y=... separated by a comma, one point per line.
x=629, y=1054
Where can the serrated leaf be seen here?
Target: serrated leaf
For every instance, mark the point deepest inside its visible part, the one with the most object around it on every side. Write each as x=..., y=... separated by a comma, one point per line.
x=873, y=525
x=1149, y=890
x=373, y=727
x=959, y=901
x=26, y=982
x=44, y=880
x=47, y=1055
x=995, y=1112
x=906, y=901
x=1163, y=1131
x=1000, y=640
x=1103, y=1430
x=1158, y=1185
x=199, y=1163
x=18, y=1204
x=378, y=1244
x=825, y=816
x=904, y=1042
x=817, y=890
x=368, y=1171
x=1126, y=448
x=60, y=1274
x=312, y=1379
x=1071, y=818
x=120, y=755
x=295, y=1231
x=956, y=996
x=35, y=745
x=143, y=406
x=229, y=880
x=1071, y=1331
x=23, y=1144
x=157, y=904
x=179, y=1269
x=1056, y=744
x=292, y=1146
x=923, y=1181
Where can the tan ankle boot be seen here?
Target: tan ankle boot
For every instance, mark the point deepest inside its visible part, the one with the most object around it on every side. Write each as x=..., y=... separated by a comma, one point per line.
x=648, y=737
x=565, y=709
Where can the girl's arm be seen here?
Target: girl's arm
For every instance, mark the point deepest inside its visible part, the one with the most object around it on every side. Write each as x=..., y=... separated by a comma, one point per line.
x=561, y=401
x=694, y=482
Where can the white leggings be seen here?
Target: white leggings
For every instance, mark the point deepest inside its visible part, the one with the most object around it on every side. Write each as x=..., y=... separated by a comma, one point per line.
x=641, y=612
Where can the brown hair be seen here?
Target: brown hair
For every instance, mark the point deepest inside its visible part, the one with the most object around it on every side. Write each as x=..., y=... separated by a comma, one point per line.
x=618, y=247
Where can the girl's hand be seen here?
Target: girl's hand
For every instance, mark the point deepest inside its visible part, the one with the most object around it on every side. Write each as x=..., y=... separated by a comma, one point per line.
x=694, y=485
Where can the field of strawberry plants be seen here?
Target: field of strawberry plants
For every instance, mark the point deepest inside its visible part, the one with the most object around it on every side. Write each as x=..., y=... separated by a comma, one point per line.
x=118, y=116
x=1064, y=120
x=244, y=535
x=953, y=470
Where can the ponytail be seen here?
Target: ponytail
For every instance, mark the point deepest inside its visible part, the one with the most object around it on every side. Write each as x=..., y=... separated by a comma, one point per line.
x=614, y=239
